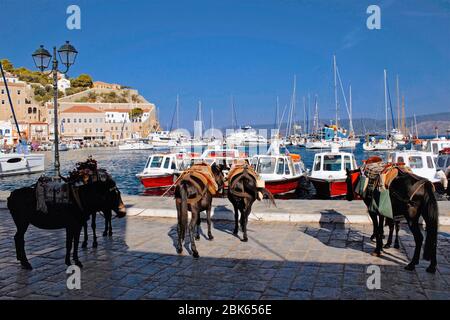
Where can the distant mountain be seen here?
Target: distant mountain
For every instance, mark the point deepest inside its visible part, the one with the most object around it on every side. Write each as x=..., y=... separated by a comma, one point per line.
x=425, y=124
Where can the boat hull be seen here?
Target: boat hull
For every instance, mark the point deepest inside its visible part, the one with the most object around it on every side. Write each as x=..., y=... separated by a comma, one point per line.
x=16, y=164
x=157, y=182
x=326, y=189
x=282, y=186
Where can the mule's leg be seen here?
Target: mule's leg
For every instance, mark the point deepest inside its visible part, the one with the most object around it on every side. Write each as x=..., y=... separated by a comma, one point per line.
x=69, y=239
x=94, y=228
x=378, y=227
x=76, y=241
x=397, y=229
x=418, y=239
x=390, y=223
x=197, y=227
x=109, y=215
x=85, y=240
x=374, y=217
x=19, y=240
x=244, y=220
x=181, y=229
x=105, y=232
x=208, y=221
x=192, y=225
x=236, y=220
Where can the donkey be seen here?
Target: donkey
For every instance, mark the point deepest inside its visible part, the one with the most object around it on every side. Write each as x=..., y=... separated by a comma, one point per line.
x=191, y=194
x=107, y=214
x=411, y=197
x=72, y=216
x=242, y=193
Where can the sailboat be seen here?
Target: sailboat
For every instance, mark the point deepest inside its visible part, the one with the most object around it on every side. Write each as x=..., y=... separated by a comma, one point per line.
x=19, y=162
x=382, y=144
x=396, y=133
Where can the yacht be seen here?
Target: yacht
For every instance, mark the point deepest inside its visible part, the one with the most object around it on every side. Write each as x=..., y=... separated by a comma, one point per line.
x=379, y=145
x=141, y=144
x=436, y=145
x=18, y=163
x=162, y=139
x=245, y=136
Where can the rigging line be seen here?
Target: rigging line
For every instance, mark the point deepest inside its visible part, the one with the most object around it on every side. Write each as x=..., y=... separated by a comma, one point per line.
x=10, y=101
x=282, y=117
x=390, y=104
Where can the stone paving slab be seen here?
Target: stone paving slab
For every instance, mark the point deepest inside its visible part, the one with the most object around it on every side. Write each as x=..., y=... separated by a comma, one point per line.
x=280, y=261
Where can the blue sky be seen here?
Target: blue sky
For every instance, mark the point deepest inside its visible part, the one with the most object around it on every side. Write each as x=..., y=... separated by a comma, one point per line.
x=211, y=49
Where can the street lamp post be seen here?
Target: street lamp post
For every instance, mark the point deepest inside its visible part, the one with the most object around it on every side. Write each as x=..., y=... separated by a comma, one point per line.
x=67, y=55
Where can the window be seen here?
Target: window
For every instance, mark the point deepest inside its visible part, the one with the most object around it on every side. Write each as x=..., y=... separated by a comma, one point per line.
x=18, y=101
x=90, y=120
x=441, y=162
x=3, y=101
x=63, y=120
x=156, y=162
x=332, y=163
x=317, y=163
x=18, y=92
x=68, y=120
x=280, y=166
x=430, y=163
x=266, y=165
x=34, y=110
x=85, y=120
x=3, y=91
x=75, y=120
x=415, y=162
x=448, y=160
x=7, y=131
x=400, y=160
x=435, y=148
x=30, y=110
x=347, y=163
x=166, y=163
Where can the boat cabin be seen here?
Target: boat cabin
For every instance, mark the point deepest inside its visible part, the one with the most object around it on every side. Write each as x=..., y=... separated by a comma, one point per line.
x=332, y=165
x=281, y=165
x=443, y=160
x=420, y=162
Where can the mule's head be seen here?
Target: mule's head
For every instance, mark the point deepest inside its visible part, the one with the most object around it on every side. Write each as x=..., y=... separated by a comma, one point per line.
x=111, y=197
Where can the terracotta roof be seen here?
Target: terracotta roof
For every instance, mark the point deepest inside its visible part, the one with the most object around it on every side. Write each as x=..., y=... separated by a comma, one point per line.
x=81, y=109
x=117, y=110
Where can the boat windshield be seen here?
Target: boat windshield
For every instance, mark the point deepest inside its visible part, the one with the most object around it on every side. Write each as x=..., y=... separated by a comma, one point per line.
x=266, y=165
x=415, y=162
x=332, y=162
x=156, y=162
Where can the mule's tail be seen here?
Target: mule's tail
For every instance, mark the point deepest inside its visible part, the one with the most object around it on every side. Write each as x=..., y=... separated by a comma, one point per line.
x=430, y=214
x=267, y=195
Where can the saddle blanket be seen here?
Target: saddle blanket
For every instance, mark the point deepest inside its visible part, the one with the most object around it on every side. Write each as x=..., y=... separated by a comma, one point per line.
x=51, y=190
x=202, y=172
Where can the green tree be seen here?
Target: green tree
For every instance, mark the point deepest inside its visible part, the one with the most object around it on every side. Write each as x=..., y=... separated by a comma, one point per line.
x=7, y=65
x=83, y=80
x=136, y=113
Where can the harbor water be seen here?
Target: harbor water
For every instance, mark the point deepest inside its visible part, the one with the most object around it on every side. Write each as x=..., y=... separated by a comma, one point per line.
x=124, y=165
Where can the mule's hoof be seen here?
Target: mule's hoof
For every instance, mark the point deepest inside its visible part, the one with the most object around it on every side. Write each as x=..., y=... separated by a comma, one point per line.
x=210, y=237
x=26, y=265
x=396, y=246
x=110, y=234
x=78, y=264
x=235, y=232
x=195, y=255
x=105, y=234
x=84, y=245
x=197, y=237
x=373, y=238
x=245, y=239
x=387, y=246
x=376, y=254
x=431, y=269
x=68, y=262
x=179, y=250
x=94, y=245
x=411, y=266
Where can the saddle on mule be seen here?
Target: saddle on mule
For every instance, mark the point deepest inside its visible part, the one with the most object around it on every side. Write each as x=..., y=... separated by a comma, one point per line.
x=202, y=178
x=237, y=169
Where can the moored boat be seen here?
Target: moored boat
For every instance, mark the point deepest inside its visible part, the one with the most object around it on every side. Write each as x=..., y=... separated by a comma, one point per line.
x=329, y=174
x=161, y=170
x=18, y=163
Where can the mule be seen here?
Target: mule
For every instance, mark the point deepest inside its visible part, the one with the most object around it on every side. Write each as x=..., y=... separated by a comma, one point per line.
x=191, y=194
x=91, y=197
x=242, y=193
x=107, y=215
x=412, y=198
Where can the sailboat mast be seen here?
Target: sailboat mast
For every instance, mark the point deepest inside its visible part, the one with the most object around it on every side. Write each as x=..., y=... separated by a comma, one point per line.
x=211, y=121
x=351, y=111
x=403, y=116
x=178, y=112
x=385, y=101
x=335, y=91
x=398, y=103
x=277, y=113
x=304, y=115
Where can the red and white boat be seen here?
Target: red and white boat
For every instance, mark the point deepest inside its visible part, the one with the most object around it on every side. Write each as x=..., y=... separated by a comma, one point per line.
x=161, y=170
x=329, y=174
x=281, y=172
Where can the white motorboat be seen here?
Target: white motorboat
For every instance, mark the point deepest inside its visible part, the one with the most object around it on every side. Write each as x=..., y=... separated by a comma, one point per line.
x=245, y=136
x=281, y=172
x=18, y=163
x=421, y=163
x=318, y=144
x=436, y=145
x=162, y=139
x=329, y=173
x=380, y=145
x=135, y=145
x=62, y=147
